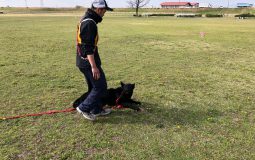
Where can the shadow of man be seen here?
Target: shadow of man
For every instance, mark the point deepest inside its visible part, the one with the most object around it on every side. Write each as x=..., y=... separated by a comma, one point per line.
x=161, y=116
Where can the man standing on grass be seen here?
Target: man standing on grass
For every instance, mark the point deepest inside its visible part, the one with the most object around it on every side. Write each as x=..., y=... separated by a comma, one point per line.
x=89, y=63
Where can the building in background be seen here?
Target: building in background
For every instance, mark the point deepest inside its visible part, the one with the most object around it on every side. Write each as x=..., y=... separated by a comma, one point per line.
x=179, y=5
x=205, y=5
x=244, y=5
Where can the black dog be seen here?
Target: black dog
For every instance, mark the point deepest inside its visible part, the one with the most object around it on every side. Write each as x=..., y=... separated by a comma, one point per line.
x=116, y=97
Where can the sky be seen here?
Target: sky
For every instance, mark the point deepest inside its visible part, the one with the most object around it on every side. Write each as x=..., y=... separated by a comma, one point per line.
x=111, y=3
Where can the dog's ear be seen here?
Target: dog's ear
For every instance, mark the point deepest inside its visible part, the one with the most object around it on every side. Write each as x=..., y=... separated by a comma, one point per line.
x=133, y=85
x=122, y=84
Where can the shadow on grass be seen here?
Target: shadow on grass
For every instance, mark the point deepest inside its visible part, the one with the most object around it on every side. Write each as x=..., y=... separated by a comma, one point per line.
x=160, y=116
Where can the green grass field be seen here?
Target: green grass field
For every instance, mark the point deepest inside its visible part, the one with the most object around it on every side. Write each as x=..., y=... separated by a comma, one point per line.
x=198, y=93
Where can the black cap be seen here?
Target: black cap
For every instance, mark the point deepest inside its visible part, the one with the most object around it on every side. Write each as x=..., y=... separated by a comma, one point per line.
x=101, y=4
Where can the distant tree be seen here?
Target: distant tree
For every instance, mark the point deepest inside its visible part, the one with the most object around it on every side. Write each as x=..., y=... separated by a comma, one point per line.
x=78, y=7
x=137, y=4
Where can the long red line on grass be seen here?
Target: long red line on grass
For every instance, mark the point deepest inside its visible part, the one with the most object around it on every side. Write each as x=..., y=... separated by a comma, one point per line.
x=38, y=114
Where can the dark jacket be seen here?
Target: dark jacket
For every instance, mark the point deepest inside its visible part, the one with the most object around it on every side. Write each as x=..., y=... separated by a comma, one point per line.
x=87, y=38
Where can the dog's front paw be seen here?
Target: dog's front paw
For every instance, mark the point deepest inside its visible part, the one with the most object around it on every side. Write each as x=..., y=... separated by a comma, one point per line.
x=140, y=109
x=139, y=103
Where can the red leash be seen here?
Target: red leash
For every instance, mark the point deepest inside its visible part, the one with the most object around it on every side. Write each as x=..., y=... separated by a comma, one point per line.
x=118, y=106
x=39, y=114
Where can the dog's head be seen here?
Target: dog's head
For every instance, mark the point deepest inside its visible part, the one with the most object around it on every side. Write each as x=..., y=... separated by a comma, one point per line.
x=127, y=89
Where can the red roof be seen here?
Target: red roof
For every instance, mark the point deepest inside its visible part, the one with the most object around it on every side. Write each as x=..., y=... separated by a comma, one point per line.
x=177, y=3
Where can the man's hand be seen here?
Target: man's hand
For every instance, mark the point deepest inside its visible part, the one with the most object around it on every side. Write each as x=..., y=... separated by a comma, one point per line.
x=95, y=70
x=96, y=73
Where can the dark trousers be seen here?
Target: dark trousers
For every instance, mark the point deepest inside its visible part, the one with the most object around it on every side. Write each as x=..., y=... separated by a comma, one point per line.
x=97, y=90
